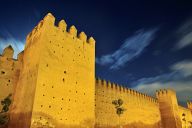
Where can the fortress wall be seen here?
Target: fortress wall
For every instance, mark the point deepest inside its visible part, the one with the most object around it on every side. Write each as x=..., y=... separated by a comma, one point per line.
x=141, y=110
x=169, y=109
x=25, y=90
x=65, y=86
x=9, y=72
x=185, y=116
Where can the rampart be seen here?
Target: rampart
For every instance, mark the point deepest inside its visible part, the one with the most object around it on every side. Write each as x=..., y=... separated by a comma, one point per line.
x=53, y=85
x=141, y=110
x=56, y=86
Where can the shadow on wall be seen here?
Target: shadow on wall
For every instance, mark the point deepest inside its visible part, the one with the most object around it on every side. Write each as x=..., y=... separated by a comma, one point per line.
x=42, y=120
x=134, y=125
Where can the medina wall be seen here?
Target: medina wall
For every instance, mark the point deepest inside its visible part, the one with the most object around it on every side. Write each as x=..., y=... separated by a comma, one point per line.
x=65, y=87
x=185, y=116
x=57, y=83
x=9, y=72
x=169, y=108
x=141, y=110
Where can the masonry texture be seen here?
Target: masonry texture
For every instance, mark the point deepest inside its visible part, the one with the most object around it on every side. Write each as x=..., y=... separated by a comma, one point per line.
x=53, y=85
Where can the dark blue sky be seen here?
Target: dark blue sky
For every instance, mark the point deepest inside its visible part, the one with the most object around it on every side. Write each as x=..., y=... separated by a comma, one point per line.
x=143, y=44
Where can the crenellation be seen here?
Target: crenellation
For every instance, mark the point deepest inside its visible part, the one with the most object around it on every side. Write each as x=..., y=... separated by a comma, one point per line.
x=82, y=36
x=99, y=81
x=104, y=83
x=73, y=31
x=49, y=19
x=62, y=25
x=91, y=40
x=51, y=67
x=109, y=84
x=40, y=24
x=8, y=52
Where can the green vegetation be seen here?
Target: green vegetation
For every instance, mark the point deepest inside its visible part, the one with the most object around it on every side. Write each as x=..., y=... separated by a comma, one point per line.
x=4, y=116
x=118, y=106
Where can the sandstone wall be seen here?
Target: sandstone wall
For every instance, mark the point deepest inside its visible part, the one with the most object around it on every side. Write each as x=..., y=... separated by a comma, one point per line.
x=57, y=83
x=53, y=86
x=9, y=72
x=141, y=110
x=169, y=109
x=185, y=116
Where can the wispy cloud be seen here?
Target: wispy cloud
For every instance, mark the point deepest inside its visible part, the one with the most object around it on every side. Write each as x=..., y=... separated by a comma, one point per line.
x=185, y=35
x=184, y=67
x=130, y=49
x=9, y=39
x=180, y=79
x=17, y=45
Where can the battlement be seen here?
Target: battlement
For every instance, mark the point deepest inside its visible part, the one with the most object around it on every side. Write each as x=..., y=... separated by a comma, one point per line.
x=48, y=22
x=8, y=54
x=165, y=92
x=123, y=89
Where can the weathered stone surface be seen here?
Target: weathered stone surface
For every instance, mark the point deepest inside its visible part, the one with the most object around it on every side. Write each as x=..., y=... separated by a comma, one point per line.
x=53, y=85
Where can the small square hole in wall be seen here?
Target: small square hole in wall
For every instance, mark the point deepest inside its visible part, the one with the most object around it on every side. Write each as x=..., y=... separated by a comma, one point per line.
x=2, y=72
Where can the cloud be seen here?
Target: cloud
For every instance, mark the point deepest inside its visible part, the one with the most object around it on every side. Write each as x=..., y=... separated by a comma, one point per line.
x=185, y=35
x=17, y=45
x=183, y=89
x=130, y=49
x=179, y=79
x=184, y=67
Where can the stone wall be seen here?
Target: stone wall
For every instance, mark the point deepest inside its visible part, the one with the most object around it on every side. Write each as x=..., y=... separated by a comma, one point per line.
x=141, y=110
x=9, y=72
x=57, y=83
x=53, y=86
x=185, y=116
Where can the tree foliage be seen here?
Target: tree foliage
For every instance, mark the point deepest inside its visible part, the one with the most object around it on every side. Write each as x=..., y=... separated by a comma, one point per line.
x=4, y=117
x=118, y=106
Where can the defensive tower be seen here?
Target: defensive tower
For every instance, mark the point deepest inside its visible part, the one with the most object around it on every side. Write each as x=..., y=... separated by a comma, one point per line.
x=169, y=110
x=57, y=83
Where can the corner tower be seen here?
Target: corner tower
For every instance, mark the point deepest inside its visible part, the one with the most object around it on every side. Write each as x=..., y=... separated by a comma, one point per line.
x=57, y=83
x=169, y=110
